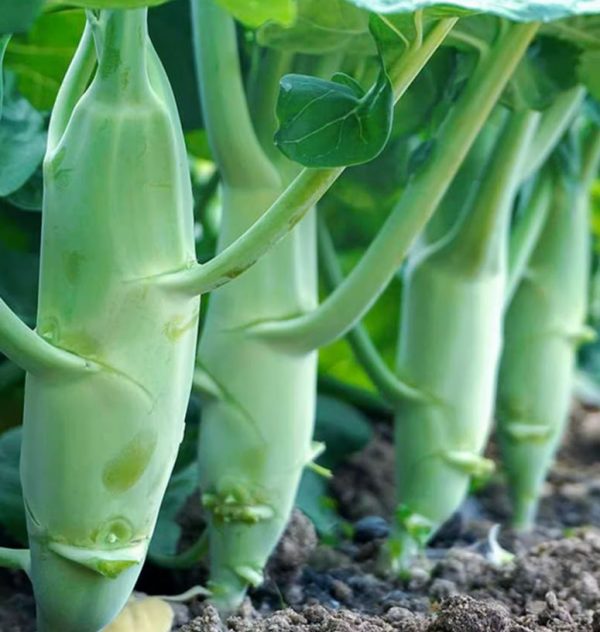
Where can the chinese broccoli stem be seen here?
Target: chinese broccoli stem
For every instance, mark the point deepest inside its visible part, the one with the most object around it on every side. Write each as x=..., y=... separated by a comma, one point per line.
x=110, y=365
x=544, y=326
x=449, y=349
x=261, y=416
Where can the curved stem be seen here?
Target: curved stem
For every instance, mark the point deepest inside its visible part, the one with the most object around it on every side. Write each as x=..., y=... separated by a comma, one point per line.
x=555, y=122
x=30, y=351
x=17, y=559
x=302, y=195
x=591, y=159
x=391, y=388
x=353, y=298
x=242, y=161
x=186, y=559
x=526, y=233
x=355, y=395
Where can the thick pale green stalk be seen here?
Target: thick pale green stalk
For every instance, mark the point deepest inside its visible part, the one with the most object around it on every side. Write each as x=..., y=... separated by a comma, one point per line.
x=98, y=447
x=349, y=302
x=257, y=426
x=544, y=325
x=449, y=349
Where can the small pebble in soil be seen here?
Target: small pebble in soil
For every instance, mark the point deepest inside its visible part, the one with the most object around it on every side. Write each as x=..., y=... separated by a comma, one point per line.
x=371, y=528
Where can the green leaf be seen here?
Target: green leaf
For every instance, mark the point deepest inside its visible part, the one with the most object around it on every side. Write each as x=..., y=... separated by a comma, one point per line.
x=314, y=501
x=4, y=39
x=17, y=16
x=255, y=13
x=319, y=28
x=41, y=58
x=333, y=123
x=12, y=510
x=583, y=31
x=22, y=141
x=30, y=196
x=520, y=10
x=544, y=72
x=342, y=428
x=167, y=532
x=587, y=71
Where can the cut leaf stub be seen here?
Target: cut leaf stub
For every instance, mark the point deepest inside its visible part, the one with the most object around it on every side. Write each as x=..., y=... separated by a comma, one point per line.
x=520, y=10
x=333, y=123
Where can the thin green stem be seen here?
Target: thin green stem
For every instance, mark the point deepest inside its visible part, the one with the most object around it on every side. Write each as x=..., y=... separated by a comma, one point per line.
x=355, y=395
x=554, y=124
x=17, y=559
x=526, y=233
x=591, y=159
x=72, y=87
x=241, y=159
x=299, y=197
x=482, y=233
x=30, y=351
x=186, y=559
x=353, y=298
x=123, y=64
x=391, y=388
x=263, y=94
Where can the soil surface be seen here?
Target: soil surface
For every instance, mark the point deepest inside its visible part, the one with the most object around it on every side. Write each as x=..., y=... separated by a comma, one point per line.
x=459, y=585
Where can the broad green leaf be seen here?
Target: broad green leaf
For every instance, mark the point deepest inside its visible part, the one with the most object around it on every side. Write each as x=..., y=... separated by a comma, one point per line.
x=12, y=510
x=520, y=10
x=319, y=28
x=587, y=71
x=333, y=123
x=255, y=13
x=4, y=39
x=22, y=141
x=583, y=31
x=30, y=196
x=546, y=70
x=41, y=57
x=17, y=16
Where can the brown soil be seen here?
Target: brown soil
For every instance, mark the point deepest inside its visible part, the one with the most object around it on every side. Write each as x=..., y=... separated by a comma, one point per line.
x=551, y=584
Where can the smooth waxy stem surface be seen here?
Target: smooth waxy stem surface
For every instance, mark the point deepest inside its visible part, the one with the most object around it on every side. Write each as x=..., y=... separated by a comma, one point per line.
x=98, y=447
x=544, y=326
x=450, y=340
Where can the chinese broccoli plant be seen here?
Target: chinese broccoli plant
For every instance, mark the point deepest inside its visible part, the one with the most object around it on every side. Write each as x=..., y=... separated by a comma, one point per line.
x=112, y=359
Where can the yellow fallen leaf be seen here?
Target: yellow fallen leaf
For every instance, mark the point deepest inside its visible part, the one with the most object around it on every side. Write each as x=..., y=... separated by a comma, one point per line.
x=148, y=614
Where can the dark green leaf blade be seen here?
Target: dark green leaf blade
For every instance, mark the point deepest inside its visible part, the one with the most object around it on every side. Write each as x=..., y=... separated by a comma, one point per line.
x=4, y=39
x=17, y=16
x=520, y=10
x=22, y=141
x=327, y=124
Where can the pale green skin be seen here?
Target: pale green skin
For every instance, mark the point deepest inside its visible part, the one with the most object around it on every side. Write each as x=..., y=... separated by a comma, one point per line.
x=263, y=419
x=449, y=351
x=98, y=448
x=544, y=325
